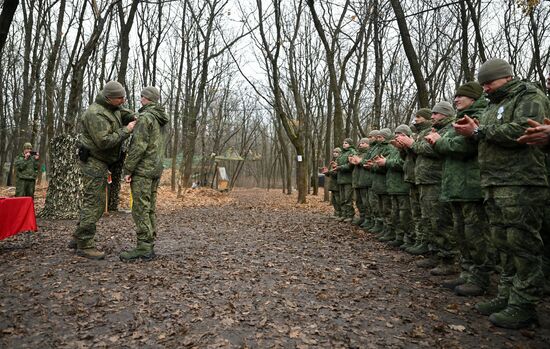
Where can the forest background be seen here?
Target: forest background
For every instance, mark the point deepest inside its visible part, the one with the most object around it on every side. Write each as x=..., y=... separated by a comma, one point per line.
x=276, y=84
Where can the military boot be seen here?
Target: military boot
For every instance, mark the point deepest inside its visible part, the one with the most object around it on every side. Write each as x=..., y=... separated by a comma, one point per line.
x=446, y=267
x=492, y=306
x=515, y=317
x=90, y=253
x=451, y=284
x=358, y=221
x=418, y=249
x=367, y=224
x=388, y=235
x=143, y=251
x=427, y=262
x=378, y=227
x=469, y=290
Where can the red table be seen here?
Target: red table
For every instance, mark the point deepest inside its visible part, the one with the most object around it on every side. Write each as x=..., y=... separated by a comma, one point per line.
x=16, y=215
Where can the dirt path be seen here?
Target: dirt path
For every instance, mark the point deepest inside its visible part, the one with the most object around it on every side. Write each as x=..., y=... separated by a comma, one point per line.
x=258, y=272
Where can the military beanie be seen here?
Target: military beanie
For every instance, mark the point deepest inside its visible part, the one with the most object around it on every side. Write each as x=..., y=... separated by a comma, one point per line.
x=151, y=93
x=113, y=89
x=348, y=141
x=403, y=129
x=444, y=108
x=337, y=150
x=374, y=133
x=27, y=146
x=470, y=89
x=386, y=132
x=493, y=69
x=426, y=113
x=363, y=140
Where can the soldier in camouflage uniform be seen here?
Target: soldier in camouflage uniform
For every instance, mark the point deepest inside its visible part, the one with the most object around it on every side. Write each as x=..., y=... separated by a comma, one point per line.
x=103, y=132
x=344, y=169
x=142, y=169
x=461, y=188
x=385, y=230
x=376, y=224
x=359, y=180
x=333, y=184
x=26, y=171
x=514, y=184
x=368, y=223
x=398, y=189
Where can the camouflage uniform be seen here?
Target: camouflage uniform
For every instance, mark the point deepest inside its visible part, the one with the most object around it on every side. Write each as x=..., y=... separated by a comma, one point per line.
x=368, y=223
x=26, y=171
x=333, y=188
x=428, y=169
x=460, y=187
x=379, y=188
x=359, y=184
x=514, y=183
x=398, y=190
x=377, y=221
x=344, y=179
x=144, y=163
x=103, y=132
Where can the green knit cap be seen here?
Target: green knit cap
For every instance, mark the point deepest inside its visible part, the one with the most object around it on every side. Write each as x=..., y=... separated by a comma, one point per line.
x=374, y=133
x=151, y=93
x=337, y=150
x=27, y=146
x=363, y=140
x=386, y=132
x=426, y=113
x=403, y=129
x=444, y=108
x=348, y=141
x=471, y=89
x=114, y=89
x=493, y=69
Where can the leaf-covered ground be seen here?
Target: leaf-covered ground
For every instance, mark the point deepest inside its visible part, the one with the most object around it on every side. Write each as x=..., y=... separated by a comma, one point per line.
x=246, y=270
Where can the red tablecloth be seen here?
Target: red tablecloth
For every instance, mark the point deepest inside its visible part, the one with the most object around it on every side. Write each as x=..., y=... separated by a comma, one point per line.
x=16, y=215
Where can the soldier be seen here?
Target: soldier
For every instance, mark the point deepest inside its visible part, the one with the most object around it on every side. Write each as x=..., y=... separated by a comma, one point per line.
x=514, y=184
x=26, y=170
x=398, y=189
x=385, y=229
x=359, y=180
x=142, y=169
x=368, y=223
x=333, y=184
x=103, y=132
x=376, y=224
x=461, y=188
x=344, y=169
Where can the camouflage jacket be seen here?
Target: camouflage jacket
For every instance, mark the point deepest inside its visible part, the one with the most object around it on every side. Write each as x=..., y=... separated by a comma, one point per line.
x=460, y=178
x=332, y=183
x=344, y=167
x=428, y=166
x=373, y=148
x=26, y=168
x=502, y=160
x=379, y=173
x=395, y=181
x=409, y=156
x=359, y=176
x=146, y=151
x=103, y=130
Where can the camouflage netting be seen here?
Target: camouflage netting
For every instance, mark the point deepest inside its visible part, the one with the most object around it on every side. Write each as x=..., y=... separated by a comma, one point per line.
x=65, y=183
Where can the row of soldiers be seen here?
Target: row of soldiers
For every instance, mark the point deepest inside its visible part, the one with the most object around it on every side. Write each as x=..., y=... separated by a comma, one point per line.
x=464, y=187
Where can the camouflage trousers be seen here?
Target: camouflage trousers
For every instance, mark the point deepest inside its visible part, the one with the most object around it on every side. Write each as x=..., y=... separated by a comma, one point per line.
x=94, y=181
x=439, y=233
x=400, y=215
x=335, y=201
x=471, y=234
x=144, y=194
x=24, y=187
x=413, y=232
x=515, y=216
x=362, y=202
x=373, y=204
x=346, y=200
x=384, y=207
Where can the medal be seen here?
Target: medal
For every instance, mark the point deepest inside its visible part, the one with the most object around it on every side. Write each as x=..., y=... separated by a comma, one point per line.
x=500, y=111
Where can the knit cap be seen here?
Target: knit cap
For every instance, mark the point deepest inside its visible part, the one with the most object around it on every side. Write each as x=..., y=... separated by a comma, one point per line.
x=363, y=140
x=374, y=133
x=348, y=141
x=444, y=108
x=113, y=89
x=386, y=132
x=403, y=129
x=426, y=113
x=337, y=150
x=27, y=146
x=493, y=69
x=151, y=93
x=471, y=89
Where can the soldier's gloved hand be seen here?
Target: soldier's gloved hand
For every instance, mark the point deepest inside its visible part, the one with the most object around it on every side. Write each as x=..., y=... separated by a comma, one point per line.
x=131, y=125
